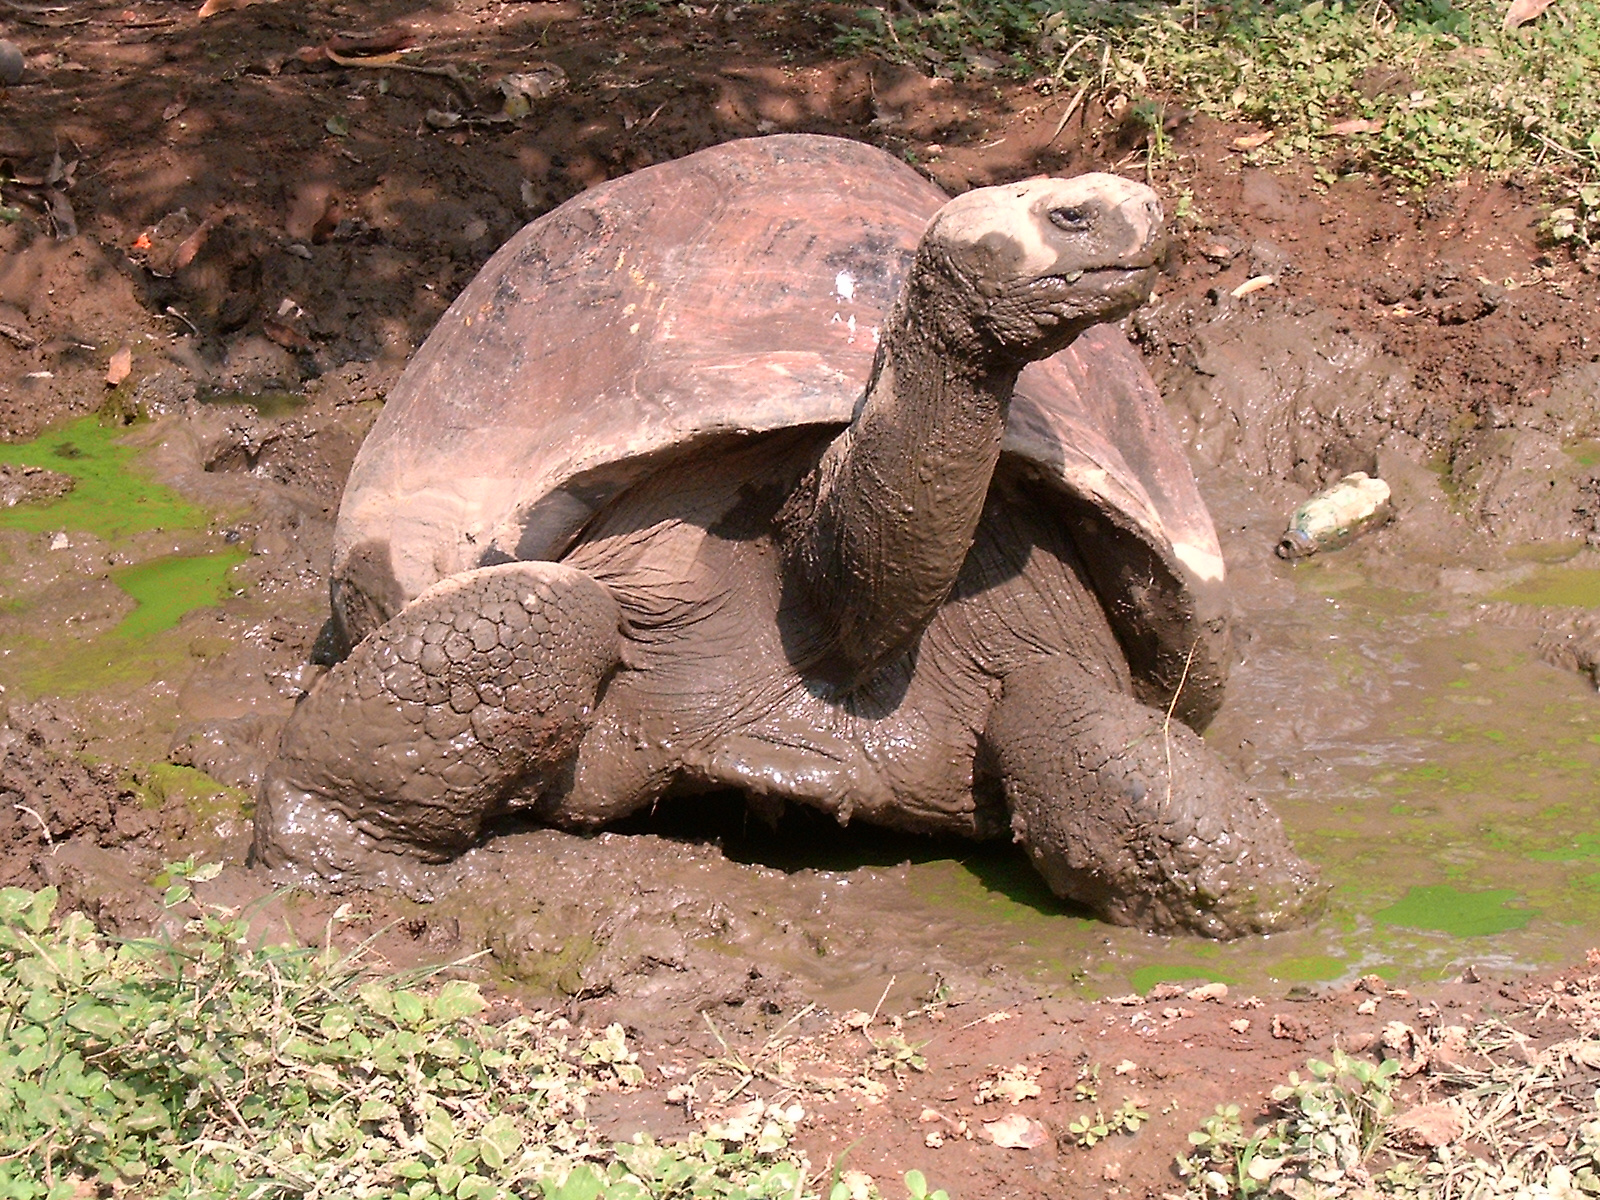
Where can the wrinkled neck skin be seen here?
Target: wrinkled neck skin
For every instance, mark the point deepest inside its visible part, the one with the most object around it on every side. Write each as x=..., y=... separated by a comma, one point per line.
x=875, y=536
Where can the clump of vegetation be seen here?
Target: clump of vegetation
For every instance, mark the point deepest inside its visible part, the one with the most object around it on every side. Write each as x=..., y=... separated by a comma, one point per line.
x=1419, y=90
x=205, y=1065
x=1330, y=1124
x=1521, y=1124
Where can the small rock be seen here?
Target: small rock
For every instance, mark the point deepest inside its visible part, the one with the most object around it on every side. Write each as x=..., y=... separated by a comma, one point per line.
x=11, y=63
x=1290, y=1029
x=1406, y=1046
x=60, y=542
x=19, y=484
x=1429, y=1125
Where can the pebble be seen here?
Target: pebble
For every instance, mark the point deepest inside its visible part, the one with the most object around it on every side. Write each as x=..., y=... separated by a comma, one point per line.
x=11, y=63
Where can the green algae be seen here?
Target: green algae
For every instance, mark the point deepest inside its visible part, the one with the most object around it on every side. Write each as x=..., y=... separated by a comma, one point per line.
x=1559, y=587
x=163, y=783
x=143, y=644
x=1449, y=910
x=165, y=589
x=1582, y=846
x=1309, y=968
x=109, y=498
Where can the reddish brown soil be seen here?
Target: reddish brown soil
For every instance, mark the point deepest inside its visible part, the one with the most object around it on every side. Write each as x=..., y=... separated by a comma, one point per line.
x=248, y=215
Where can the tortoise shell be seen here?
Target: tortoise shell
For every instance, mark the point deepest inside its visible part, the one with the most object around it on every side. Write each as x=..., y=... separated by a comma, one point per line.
x=727, y=294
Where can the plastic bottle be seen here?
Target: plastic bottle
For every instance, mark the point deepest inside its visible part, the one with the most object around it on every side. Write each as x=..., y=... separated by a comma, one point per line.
x=1336, y=516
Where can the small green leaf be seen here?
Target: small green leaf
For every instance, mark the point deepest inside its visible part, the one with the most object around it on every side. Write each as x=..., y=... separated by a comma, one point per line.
x=409, y=1008
x=458, y=999
x=94, y=1019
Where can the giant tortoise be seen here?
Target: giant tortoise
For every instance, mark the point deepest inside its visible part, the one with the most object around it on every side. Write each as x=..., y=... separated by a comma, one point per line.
x=774, y=469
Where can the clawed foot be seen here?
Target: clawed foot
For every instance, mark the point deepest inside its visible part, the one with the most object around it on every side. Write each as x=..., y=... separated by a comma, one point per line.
x=1133, y=816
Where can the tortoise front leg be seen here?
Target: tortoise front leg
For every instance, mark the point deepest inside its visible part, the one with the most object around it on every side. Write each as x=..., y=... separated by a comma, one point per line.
x=1131, y=814
x=484, y=683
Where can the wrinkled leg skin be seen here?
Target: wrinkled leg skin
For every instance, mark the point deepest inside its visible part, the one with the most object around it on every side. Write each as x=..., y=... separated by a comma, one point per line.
x=485, y=681
x=1085, y=772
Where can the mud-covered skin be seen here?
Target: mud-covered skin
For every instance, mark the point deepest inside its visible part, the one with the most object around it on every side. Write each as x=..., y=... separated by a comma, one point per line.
x=1003, y=277
x=1127, y=812
x=807, y=614
x=423, y=731
x=1012, y=718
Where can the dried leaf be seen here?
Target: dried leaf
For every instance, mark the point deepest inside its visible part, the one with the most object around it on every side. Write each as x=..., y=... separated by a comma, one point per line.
x=1251, y=140
x=1016, y=1132
x=176, y=107
x=61, y=213
x=212, y=7
x=1523, y=11
x=191, y=245
x=361, y=60
x=739, y=1123
x=1356, y=125
x=1252, y=285
x=121, y=364
x=286, y=336
x=539, y=82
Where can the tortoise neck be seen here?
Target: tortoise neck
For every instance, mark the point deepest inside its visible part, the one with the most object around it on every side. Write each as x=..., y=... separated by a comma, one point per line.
x=877, y=533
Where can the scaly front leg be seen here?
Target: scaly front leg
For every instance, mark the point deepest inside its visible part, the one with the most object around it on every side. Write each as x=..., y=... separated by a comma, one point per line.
x=483, y=684
x=1133, y=816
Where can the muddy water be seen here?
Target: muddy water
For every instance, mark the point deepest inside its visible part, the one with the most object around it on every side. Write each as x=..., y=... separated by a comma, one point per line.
x=1417, y=748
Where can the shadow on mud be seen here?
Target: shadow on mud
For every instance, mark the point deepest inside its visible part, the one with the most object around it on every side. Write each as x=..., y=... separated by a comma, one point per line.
x=804, y=840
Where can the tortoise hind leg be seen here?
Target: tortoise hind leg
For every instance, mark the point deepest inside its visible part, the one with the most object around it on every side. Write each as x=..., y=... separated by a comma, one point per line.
x=1132, y=815
x=482, y=684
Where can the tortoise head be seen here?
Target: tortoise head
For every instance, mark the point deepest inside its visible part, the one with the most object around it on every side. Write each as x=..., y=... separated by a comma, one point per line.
x=1028, y=266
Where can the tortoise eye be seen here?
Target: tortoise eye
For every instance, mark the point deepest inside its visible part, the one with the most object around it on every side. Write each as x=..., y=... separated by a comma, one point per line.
x=1074, y=220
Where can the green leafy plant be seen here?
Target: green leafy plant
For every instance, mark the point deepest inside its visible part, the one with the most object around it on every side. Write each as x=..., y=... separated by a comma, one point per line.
x=205, y=1065
x=1329, y=1124
x=1126, y=1118
x=1417, y=90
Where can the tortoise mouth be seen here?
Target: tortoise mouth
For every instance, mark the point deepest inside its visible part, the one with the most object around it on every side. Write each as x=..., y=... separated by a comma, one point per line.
x=1121, y=284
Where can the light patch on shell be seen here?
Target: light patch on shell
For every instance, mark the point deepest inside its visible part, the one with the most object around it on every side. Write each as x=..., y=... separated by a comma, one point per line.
x=844, y=286
x=1202, y=563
